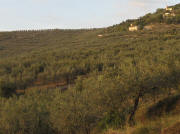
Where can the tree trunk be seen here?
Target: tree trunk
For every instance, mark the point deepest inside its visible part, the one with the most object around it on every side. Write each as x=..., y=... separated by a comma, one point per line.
x=136, y=103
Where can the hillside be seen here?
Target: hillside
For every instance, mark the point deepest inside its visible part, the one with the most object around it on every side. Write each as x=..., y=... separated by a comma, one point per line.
x=107, y=80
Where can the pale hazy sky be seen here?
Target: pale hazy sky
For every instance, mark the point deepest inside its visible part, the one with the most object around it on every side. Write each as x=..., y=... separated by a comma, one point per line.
x=66, y=14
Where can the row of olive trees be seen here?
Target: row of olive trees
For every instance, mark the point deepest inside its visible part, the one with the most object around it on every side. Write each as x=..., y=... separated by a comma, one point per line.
x=55, y=112
x=98, y=102
x=23, y=73
x=64, y=66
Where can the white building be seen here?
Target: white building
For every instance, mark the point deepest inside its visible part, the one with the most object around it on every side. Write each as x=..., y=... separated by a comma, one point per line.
x=169, y=9
x=100, y=35
x=133, y=28
x=169, y=12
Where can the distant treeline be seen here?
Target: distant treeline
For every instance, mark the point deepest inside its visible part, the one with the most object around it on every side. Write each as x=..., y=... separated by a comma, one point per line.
x=47, y=30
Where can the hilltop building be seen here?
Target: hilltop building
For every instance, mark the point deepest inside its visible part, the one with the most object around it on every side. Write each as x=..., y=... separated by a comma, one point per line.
x=169, y=9
x=169, y=12
x=133, y=28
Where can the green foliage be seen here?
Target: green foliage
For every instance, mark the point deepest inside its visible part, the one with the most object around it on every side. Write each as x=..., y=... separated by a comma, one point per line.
x=74, y=112
x=26, y=115
x=177, y=19
x=113, y=120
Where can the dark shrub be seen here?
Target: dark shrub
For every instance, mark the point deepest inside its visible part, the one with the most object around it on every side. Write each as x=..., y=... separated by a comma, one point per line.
x=7, y=89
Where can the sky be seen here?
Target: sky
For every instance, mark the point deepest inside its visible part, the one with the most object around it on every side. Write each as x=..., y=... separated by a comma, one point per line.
x=72, y=14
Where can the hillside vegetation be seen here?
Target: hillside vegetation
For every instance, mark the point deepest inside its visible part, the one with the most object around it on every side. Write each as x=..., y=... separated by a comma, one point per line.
x=76, y=82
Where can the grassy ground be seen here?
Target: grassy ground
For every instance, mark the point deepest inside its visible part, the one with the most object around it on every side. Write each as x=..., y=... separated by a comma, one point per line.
x=161, y=121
